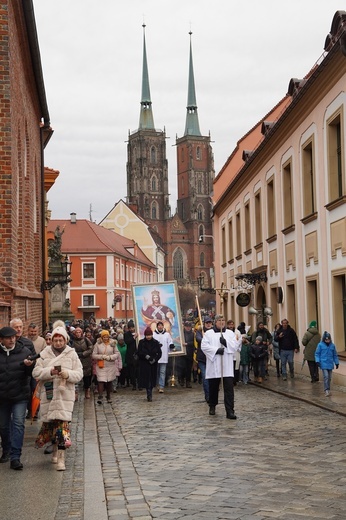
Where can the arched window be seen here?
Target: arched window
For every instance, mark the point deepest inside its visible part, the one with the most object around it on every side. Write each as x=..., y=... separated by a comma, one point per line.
x=153, y=154
x=201, y=259
x=200, y=212
x=200, y=231
x=154, y=211
x=198, y=153
x=199, y=186
x=153, y=183
x=178, y=265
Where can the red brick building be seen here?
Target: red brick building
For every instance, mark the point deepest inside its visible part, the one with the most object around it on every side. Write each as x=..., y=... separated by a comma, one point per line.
x=24, y=132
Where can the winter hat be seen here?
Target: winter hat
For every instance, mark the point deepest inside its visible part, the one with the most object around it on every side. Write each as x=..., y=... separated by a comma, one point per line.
x=208, y=319
x=104, y=333
x=148, y=332
x=326, y=335
x=130, y=324
x=61, y=331
x=259, y=338
x=312, y=323
x=120, y=336
x=7, y=332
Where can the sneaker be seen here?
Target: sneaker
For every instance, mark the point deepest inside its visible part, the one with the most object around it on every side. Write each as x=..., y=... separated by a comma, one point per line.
x=161, y=391
x=327, y=393
x=284, y=378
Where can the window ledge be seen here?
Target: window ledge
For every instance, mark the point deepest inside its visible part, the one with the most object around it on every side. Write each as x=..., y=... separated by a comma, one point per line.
x=288, y=230
x=336, y=203
x=309, y=218
x=271, y=239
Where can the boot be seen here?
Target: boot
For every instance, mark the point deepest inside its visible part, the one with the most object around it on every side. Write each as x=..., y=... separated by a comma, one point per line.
x=61, y=460
x=87, y=393
x=55, y=454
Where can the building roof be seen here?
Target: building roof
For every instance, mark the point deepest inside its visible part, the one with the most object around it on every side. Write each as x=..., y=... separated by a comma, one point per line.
x=86, y=237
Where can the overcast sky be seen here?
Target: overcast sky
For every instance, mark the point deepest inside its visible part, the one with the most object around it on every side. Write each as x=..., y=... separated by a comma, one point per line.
x=244, y=55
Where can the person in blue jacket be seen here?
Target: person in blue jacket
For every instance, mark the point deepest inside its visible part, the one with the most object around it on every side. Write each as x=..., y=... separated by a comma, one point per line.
x=325, y=357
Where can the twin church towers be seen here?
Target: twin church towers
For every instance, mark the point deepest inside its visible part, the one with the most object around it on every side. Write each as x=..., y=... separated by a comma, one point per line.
x=186, y=258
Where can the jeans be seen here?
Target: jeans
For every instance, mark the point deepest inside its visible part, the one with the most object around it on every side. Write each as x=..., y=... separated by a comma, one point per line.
x=327, y=377
x=286, y=357
x=161, y=374
x=202, y=366
x=12, y=425
x=244, y=373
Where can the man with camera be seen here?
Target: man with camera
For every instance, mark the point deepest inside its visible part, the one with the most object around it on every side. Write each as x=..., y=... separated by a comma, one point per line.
x=15, y=370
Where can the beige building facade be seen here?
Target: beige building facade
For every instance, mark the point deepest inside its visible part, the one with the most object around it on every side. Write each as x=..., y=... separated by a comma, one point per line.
x=280, y=207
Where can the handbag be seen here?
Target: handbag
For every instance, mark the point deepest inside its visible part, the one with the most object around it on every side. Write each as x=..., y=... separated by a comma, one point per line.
x=101, y=362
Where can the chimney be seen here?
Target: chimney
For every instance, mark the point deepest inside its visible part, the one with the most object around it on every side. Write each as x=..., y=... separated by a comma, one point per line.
x=73, y=218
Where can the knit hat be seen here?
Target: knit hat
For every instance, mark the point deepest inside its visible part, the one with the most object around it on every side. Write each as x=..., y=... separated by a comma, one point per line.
x=120, y=336
x=259, y=338
x=148, y=332
x=104, y=333
x=130, y=324
x=60, y=331
x=326, y=335
x=312, y=323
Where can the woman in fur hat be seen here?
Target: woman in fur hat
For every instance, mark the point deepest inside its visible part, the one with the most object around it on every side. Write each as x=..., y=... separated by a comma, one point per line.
x=108, y=364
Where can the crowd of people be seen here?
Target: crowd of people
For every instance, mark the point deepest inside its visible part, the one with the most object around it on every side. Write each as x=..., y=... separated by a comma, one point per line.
x=40, y=376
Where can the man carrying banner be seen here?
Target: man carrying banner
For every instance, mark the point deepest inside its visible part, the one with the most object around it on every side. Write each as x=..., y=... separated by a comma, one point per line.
x=220, y=345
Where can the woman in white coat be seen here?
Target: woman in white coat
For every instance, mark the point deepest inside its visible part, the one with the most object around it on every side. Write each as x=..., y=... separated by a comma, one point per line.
x=108, y=364
x=58, y=370
x=219, y=346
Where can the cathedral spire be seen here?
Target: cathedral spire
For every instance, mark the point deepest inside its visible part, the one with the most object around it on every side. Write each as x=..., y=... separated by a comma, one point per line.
x=192, y=124
x=146, y=119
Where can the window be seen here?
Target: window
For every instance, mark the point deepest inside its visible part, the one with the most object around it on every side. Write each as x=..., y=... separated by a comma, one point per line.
x=202, y=260
x=88, y=300
x=247, y=226
x=308, y=178
x=335, y=158
x=201, y=231
x=154, y=211
x=153, y=183
x=199, y=187
x=198, y=153
x=258, y=218
x=178, y=265
x=223, y=245
x=89, y=271
x=287, y=194
x=230, y=240
x=271, y=208
x=238, y=233
x=153, y=155
x=200, y=212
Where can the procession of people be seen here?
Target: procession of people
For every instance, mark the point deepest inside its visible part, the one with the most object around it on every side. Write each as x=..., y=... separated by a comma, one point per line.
x=40, y=375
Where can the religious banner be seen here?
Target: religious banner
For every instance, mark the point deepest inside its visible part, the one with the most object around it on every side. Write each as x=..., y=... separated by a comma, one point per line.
x=159, y=302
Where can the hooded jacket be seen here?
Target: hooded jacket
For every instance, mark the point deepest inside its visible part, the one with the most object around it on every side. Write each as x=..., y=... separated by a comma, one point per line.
x=310, y=341
x=326, y=354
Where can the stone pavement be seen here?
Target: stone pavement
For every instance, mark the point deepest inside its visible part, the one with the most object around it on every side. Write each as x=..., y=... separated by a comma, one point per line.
x=169, y=460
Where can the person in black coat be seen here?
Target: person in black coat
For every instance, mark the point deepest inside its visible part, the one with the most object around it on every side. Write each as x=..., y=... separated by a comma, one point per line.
x=15, y=393
x=131, y=358
x=149, y=352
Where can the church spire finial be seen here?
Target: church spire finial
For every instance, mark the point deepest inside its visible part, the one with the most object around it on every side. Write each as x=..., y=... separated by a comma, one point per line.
x=192, y=124
x=146, y=119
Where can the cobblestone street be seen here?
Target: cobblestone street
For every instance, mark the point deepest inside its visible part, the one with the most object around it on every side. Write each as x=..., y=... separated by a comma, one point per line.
x=281, y=459
x=169, y=460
